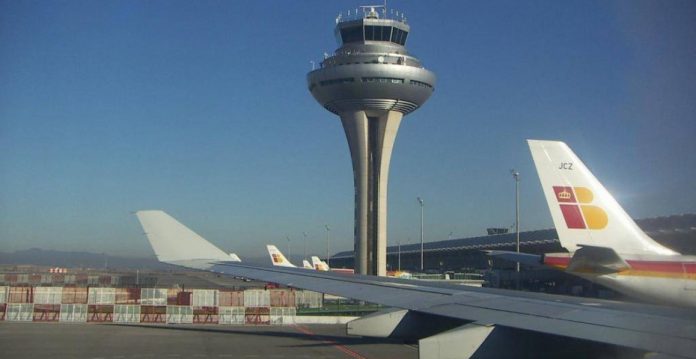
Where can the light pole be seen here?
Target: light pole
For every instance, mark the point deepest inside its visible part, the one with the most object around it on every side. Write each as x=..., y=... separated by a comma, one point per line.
x=288, y=239
x=304, y=234
x=328, y=244
x=516, y=176
x=420, y=201
x=398, y=245
x=449, y=236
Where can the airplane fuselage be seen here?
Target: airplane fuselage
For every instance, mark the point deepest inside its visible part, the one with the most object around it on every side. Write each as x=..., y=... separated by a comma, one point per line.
x=654, y=278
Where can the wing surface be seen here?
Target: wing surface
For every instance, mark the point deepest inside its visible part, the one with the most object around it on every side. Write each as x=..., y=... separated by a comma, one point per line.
x=645, y=327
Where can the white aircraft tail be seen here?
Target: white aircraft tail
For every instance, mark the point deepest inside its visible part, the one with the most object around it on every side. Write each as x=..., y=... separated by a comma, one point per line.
x=176, y=244
x=277, y=257
x=306, y=264
x=319, y=264
x=583, y=211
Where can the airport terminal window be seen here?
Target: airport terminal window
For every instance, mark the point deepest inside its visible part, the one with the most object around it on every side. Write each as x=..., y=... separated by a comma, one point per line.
x=352, y=34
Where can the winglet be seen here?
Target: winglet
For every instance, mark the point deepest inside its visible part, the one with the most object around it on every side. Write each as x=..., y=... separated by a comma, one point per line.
x=583, y=211
x=277, y=257
x=174, y=243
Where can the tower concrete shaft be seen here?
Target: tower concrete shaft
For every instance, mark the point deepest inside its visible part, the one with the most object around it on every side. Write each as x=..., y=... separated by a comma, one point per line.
x=371, y=140
x=371, y=82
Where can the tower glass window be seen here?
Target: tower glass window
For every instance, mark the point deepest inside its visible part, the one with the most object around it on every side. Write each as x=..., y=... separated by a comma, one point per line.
x=352, y=34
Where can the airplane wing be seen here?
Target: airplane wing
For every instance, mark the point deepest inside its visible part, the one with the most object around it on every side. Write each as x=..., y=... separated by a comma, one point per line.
x=460, y=321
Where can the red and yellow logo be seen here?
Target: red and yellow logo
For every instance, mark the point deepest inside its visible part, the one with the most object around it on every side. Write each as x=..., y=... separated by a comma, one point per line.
x=276, y=258
x=577, y=211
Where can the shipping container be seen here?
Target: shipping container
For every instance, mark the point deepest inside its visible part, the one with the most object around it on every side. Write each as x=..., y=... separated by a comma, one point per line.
x=20, y=295
x=308, y=299
x=153, y=296
x=22, y=278
x=205, y=315
x=46, y=312
x=105, y=280
x=74, y=295
x=101, y=296
x=127, y=296
x=100, y=312
x=3, y=308
x=126, y=313
x=257, y=315
x=81, y=279
x=205, y=298
x=115, y=280
x=283, y=315
x=11, y=278
x=19, y=312
x=282, y=298
x=153, y=313
x=46, y=279
x=3, y=294
x=48, y=295
x=177, y=297
x=69, y=279
x=257, y=298
x=35, y=279
x=231, y=315
x=231, y=298
x=179, y=314
x=74, y=313
x=57, y=278
x=93, y=280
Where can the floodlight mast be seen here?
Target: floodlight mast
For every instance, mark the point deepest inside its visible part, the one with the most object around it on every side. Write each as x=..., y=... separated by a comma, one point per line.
x=371, y=82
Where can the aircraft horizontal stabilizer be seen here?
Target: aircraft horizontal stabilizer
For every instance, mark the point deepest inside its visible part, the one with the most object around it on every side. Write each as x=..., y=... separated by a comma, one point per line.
x=523, y=258
x=598, y=260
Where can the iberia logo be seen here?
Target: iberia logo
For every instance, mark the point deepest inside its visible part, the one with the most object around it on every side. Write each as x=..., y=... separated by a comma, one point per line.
x=577, y=211
x=276, y=258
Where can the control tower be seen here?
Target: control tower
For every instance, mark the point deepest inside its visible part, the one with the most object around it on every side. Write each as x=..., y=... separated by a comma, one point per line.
x=371, y=82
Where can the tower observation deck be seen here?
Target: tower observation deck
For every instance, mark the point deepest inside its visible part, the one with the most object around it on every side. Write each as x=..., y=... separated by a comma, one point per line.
x=371, y=82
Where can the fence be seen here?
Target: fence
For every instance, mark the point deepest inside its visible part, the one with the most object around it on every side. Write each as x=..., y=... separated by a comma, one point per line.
x=153, y=305
x=74, y=313
x=126, y=313
x=179, y=314
x=231, y=315
x=19, y=312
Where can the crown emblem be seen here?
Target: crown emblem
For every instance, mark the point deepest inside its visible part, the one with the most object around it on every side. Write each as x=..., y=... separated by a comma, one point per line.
x=564, y=195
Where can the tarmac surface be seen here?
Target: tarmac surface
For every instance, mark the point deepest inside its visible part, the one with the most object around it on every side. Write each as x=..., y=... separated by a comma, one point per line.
x=115, y=341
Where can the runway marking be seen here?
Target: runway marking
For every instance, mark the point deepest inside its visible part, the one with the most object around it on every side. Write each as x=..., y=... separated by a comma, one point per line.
x=340, y=347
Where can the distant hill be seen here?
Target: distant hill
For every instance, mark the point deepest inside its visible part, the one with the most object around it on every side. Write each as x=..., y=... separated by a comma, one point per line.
x=51, y=258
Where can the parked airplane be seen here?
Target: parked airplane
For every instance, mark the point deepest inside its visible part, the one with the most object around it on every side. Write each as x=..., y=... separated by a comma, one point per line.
x=605, y=245
x=278, y=259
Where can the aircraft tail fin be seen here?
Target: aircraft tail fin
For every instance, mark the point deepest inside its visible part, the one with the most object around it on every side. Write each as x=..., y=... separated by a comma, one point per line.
x=234, y=257
x=583, y=211
x=319, y=264
x=306, y=264
x=277, y=257
x=174, y=243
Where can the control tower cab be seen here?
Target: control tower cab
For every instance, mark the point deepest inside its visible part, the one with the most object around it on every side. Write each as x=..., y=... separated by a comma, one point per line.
x=370, y=82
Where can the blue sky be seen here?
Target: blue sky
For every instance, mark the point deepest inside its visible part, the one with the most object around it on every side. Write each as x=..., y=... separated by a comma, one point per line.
x=200, y=108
